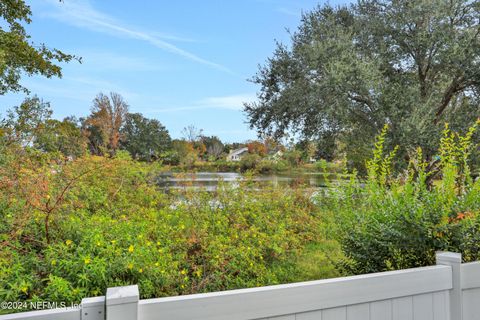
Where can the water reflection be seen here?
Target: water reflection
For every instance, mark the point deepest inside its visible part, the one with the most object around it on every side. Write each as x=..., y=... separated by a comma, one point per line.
x=209, y=180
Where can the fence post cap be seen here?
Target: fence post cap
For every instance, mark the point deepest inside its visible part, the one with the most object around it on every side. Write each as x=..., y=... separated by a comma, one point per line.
x=121, y=295
x=448, y=256
x=93, y=302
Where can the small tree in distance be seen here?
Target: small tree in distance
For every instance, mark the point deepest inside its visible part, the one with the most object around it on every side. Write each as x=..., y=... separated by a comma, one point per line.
x=145, y=139
x=104, y=124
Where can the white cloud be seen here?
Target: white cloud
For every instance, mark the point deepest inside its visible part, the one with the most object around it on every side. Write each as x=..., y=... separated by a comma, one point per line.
x=231, y=102
x=81, y=14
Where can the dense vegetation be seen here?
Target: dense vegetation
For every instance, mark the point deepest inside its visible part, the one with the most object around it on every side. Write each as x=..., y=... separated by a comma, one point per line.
x=80, y=210
x=71, y=229
x=399, y=220
x=79, y=214
x=18, y=54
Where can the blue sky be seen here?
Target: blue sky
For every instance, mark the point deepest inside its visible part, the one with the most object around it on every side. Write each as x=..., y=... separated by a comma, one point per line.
x=182, y=62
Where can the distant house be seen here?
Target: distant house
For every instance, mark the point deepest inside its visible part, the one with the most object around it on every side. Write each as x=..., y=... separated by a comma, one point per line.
x=237, y=154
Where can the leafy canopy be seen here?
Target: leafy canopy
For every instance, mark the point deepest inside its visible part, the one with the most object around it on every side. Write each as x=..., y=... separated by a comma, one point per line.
x=103, y=126
x=144, y=138
x=18, y=54
x=349, y=70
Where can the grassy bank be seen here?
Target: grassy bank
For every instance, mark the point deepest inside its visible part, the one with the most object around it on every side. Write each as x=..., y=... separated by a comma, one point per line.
x=260, y=166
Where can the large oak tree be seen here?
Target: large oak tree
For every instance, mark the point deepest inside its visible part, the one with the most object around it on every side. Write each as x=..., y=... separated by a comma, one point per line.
x=349, y=70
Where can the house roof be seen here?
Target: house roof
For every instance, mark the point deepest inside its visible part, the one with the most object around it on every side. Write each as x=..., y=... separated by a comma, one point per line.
x=238, y=151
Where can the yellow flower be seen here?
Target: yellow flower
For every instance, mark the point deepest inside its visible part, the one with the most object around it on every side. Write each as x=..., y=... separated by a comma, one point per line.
x=113, y=241
x=157, y=264
x=87, y=260
x=183, y=271
x=98, y=244
x=149, y=243
x=140, y=270
x=130, y=249
x=198, y=273
x=68, y=242
x=24, y=289
x=54, y=262
x=130, y=266
x=158, y=243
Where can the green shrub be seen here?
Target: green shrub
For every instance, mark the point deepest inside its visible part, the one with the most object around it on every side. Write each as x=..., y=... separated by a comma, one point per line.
x=249, y=162
x=398, y=221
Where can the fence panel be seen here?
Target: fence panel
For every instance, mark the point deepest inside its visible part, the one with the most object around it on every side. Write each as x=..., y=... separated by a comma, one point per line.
x=448, y=291
x=54, y=314
x=374, y=291
x=471, y=290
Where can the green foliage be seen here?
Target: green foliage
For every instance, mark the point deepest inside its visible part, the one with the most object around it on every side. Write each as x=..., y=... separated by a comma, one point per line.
x=249, y=162
x=19, y=55
x=266, y=166
x=26, y=122
x=214, y=147
x=30, y=126
x=348, y=70
x=185, y=151
x=109, y=225
x=62, y=136
x=144, y=138
x=399, y=221
x=169, y=157
x=379, y=167
x=293, y=157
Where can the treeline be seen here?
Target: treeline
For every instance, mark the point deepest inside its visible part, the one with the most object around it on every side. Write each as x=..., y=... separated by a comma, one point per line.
x=111, y=127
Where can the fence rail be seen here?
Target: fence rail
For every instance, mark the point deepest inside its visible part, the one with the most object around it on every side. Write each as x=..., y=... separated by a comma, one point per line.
x=449, y=290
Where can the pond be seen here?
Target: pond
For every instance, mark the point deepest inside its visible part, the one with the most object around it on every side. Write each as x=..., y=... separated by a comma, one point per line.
x=209, y=180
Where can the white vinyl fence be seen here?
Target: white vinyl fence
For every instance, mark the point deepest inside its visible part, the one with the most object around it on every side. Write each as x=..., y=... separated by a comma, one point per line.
x=448, y=291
